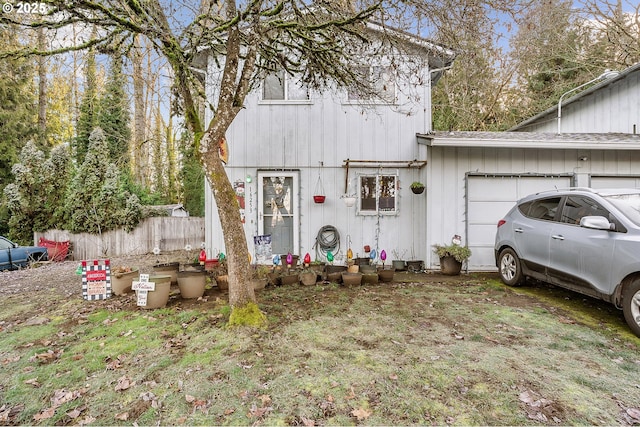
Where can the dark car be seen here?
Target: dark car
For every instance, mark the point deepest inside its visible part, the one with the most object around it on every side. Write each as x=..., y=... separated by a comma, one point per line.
x=13, y=256
x=581, y=239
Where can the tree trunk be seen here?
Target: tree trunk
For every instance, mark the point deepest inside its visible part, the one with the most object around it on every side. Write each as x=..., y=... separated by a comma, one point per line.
x=139, y=115
x=42, y=90
x=241, y=292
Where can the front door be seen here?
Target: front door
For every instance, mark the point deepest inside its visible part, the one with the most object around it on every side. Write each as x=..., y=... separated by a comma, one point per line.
x=278, y=210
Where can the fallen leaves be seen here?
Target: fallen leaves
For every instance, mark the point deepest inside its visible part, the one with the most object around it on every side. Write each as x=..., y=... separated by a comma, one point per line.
x=46, y=357
x=538, y=408
x=59, y=398
x=8, y=414
x=124, y=383
x=361, y=414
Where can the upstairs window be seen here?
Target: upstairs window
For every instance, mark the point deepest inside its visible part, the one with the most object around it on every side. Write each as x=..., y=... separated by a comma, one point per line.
x=377, y=194
x=382, y=83
x=280, y=86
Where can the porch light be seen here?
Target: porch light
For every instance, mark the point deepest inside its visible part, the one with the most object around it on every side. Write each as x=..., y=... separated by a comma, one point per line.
x=608, y=74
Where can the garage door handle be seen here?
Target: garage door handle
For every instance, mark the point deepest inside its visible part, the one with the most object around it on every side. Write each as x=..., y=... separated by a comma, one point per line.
x=519, y=230
x=557, y=237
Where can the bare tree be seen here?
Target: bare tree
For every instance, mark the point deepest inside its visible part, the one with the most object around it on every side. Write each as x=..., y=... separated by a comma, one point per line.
x=319, y=42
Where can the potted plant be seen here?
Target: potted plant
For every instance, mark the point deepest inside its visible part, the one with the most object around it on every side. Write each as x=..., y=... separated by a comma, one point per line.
x=260, y=277
x=451, y=257
x=121, y=279
x=417, y=187
x=398, y=263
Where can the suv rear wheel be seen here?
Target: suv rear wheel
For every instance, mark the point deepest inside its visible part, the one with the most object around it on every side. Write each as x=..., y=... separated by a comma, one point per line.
x=631, y=306
x=509, y=268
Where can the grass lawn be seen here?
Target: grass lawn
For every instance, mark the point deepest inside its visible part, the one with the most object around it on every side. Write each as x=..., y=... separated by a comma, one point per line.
x=426, y=349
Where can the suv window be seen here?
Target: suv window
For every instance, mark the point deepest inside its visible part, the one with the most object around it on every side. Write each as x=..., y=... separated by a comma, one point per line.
x=578, y=206
x=544, y=209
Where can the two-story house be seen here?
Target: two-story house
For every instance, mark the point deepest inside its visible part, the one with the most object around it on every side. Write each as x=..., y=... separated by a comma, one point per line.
x=290, y=144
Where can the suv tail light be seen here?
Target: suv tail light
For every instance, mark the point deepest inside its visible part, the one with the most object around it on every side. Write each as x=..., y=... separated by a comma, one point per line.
x=501, y=222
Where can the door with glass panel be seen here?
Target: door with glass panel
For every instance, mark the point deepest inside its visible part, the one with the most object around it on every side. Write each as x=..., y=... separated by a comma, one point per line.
x=278, y=210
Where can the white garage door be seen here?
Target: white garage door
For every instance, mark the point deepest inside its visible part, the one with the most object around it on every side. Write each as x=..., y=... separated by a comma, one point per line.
x=489, y=198
x=615, y=181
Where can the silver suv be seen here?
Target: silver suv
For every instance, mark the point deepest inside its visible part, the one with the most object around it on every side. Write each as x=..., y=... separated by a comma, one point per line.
x=581, y=239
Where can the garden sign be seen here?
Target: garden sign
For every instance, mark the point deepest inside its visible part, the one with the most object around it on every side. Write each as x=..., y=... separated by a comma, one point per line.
x=96, y=280
x=142, y=288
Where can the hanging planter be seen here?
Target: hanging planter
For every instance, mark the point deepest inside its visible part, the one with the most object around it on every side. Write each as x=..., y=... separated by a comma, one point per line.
x=319, y=196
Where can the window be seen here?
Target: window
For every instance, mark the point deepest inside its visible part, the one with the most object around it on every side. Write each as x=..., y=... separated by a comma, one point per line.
x=541, y=209
x=280, y=86
x=377, y=194
x=382, y=85
x=577, y=207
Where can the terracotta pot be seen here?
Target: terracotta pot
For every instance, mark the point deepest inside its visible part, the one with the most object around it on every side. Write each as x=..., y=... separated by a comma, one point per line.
x=159, y=297
x=192, y=283
x=450, y=266
x=368, y=269
x=290, y=279
x=334, y=268
x=223, y=282
x=398, y=264
x=361, y=261
x=259, y=284
x=353, y=269
x=274, y=278
x=334, y=277
x=196, y=266
x=370, y=277
x=121, y=282
x=352, y=279
x=308, y=278
x=170, y=268
x=386, y=275
x=415, y=265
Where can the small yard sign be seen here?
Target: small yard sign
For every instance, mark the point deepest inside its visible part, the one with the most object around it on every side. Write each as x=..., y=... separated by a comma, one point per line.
x=96, y=279
x=143, y=286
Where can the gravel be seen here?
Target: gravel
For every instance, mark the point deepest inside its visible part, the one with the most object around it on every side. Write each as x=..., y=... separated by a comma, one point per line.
x=61, y=277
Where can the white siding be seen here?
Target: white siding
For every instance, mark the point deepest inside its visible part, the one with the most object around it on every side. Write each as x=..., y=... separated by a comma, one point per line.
x=613, y=108
x=449, y=167
x=317, y=138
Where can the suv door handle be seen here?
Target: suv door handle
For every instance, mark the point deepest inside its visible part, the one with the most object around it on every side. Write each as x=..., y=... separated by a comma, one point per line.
x=518, y=230
x=557, y=237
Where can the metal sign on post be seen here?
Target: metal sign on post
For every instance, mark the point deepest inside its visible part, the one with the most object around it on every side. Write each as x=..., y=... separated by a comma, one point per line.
x=96, y=280
x=142, y=288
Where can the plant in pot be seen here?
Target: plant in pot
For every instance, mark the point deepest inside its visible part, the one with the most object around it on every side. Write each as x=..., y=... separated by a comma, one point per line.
x=451, y=257
x=260, y=277
x=398, y=262
x=417, y=187
x=121, y=279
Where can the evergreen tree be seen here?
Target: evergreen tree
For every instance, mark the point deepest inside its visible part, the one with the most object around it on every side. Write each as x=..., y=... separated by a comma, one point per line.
x=192, y=177
x=18, y=108
x=113, y=116
x=88, y=119
x=26, y=196
x=547, y=53
x=96, y=199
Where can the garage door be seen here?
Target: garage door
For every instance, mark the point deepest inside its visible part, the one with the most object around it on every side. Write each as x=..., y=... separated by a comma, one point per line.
x=615, y=181
x=489, y=198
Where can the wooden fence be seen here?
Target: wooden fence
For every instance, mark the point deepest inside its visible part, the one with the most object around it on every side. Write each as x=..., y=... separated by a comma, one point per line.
x=165, y=233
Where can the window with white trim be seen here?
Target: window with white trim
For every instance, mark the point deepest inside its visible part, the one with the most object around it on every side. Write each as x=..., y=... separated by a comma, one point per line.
x=377, y=194
x=382, y=83
x=280, y=86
